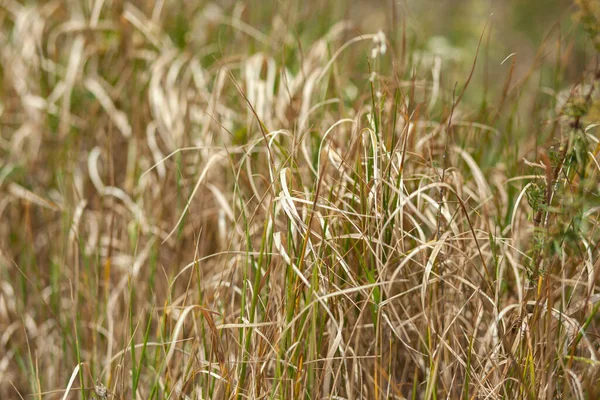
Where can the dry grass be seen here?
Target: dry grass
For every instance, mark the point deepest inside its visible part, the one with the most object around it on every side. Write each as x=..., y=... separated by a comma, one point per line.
x=199, y=201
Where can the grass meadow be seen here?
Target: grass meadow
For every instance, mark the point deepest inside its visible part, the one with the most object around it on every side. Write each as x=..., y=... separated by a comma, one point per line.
x=299, y=199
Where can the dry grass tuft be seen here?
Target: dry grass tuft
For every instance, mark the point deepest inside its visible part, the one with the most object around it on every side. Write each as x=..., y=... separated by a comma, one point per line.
x=201, y=202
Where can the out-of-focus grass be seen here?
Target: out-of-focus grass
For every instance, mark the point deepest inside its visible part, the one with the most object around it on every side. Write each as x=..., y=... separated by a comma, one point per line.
x=299, y=199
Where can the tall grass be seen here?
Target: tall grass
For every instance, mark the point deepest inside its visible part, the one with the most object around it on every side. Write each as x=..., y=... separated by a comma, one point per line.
x=217, y=200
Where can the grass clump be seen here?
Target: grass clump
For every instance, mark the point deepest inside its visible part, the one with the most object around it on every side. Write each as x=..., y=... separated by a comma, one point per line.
x=219, y=200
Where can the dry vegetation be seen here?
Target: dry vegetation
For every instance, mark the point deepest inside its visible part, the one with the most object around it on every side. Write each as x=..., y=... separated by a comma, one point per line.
x=210, y=200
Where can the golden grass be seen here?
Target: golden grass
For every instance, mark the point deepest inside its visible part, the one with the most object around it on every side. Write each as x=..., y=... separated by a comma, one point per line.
x=198, y=204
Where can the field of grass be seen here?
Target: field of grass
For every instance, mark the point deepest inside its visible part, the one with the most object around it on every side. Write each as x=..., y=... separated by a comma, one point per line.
x=299, y=199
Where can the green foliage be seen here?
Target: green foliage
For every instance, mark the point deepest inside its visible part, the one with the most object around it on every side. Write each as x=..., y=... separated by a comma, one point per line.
x=589, y=17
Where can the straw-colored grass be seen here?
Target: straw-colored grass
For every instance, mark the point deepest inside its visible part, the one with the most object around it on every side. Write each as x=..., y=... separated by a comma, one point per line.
x=210, y=201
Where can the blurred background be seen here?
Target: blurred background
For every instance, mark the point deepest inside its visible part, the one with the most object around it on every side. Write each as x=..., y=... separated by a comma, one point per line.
x=540, y=37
